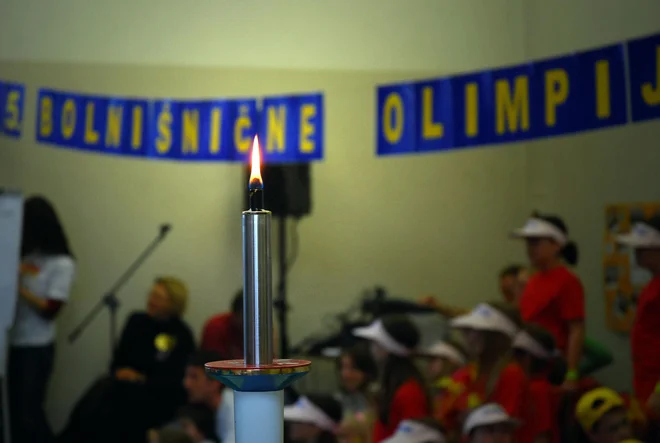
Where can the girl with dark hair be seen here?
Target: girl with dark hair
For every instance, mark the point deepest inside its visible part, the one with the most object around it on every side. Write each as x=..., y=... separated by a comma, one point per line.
x=357, y=373
x=46, y=274
x=492, y=376
x=314, y=419
x=401, y=392
x=554, y=297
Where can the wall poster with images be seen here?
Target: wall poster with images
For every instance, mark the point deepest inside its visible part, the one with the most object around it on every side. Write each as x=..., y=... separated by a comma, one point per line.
x=622, y=278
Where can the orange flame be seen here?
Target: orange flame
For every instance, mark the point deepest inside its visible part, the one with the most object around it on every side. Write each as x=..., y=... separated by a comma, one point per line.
x=255, y=174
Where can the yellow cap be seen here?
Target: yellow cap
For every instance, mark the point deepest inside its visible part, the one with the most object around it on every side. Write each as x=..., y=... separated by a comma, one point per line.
x=594, y=404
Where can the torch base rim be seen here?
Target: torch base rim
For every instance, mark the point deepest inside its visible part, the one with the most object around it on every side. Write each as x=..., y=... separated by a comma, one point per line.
x=238, y=367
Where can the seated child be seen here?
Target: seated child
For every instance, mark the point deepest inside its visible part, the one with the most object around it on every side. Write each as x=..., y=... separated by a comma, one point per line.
x=489, y=423
x=198, y=421
x=603, y=417
x=444, y=358
x=423, y=430
x=357, y=374
x=314, y=418
x=492, y=376
x=534, y=350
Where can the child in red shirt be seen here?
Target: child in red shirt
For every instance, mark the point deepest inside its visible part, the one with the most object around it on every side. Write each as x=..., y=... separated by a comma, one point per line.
x=492, y=377
x=534, y=350
x=401, y=395
x=645, y=334
x=553, y=297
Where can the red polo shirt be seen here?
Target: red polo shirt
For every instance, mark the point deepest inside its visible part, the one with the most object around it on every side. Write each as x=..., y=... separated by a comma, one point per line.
x=552, y=299
x=409, y=402
x=510, y=392
x=221, y=336
x=541, y=413
x=645, y=341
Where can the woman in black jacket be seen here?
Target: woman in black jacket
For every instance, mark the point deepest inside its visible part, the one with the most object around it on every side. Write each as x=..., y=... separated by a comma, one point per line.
x=145, y=387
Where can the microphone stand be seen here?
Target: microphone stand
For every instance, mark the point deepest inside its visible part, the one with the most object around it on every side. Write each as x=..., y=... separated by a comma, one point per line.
x=110, y=300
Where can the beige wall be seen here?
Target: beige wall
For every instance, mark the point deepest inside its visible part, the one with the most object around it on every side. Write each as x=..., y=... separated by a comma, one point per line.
x=413, y=224
x=408, y=223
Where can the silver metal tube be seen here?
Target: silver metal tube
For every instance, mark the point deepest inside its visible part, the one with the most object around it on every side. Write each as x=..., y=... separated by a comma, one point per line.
x=257, y=289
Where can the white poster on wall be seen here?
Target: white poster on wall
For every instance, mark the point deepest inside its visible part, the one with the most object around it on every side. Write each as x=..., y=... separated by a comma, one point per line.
x=11, y=221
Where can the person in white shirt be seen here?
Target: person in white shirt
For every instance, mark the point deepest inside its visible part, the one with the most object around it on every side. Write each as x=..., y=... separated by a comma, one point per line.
x=205, y=390
x=46, y=274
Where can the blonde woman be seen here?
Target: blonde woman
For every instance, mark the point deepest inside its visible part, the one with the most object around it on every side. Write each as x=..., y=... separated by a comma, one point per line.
x=150, y=360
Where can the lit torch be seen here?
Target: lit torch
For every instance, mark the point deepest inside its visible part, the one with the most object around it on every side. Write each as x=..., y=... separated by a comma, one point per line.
x=258, y=380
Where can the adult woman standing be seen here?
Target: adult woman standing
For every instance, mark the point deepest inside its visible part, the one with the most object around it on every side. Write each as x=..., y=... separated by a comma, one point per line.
x=553, y=297
x=46, y=275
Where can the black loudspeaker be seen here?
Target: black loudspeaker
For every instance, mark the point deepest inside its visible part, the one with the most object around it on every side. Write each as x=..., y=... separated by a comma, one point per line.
x=287, y=189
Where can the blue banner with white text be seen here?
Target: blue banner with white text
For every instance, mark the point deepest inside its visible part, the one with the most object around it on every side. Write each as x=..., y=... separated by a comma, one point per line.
x=583, y=91
x=12, y=98
x=290, y=128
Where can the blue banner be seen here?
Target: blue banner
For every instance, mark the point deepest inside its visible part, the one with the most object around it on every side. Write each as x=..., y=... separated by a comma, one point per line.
x=12, y=98
x=290, y=128
x=558, y=96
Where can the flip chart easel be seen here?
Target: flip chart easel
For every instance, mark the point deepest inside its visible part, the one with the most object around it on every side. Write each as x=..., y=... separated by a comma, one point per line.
x=11, y=222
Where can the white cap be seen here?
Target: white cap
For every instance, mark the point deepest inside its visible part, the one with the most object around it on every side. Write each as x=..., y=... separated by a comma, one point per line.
x=411, y=431
x=376, y=333
x=486, y=415
x=641, y=236
x=539, y=228
x=524, y=341
x=486, y=318
x=445, y=350
x=304, y=411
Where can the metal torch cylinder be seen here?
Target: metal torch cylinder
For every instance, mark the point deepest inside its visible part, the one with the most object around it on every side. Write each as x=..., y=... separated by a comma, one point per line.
x=257, y=287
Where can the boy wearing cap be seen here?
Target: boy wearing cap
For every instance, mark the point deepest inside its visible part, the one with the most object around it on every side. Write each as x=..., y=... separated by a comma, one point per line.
x=603, y=417
x=489, y=423
x=645, y=334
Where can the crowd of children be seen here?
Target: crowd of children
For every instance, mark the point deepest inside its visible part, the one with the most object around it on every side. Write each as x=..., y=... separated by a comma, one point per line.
x=517, y=372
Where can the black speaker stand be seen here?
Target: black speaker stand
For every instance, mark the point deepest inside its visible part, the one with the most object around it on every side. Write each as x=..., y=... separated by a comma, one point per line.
x=280, y=304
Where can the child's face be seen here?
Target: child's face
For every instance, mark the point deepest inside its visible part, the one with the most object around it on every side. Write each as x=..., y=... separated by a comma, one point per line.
x=351, y=377
x=190, y=429
x=475, y=342
x=613, y=427
x=498, y=433
x=437, y=366
x=303, y=431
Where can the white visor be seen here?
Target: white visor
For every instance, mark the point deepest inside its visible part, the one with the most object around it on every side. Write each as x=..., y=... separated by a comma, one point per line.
x=642, y=236
x=485, y=318
x=538, y=228
x=486, y=415
x=376, y=332
x=525, y=342
x=304, y=411
x=410, y=431
x=445, y=350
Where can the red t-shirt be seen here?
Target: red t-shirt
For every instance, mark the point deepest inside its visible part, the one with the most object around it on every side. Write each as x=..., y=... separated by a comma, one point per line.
x=551, y=299
x=468, y=392
x=541, y=412
x=645, y=341
x=409, y=402
x=221, y=336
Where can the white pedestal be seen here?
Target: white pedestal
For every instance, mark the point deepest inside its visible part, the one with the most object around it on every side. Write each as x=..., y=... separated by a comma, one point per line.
x=259, y=417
